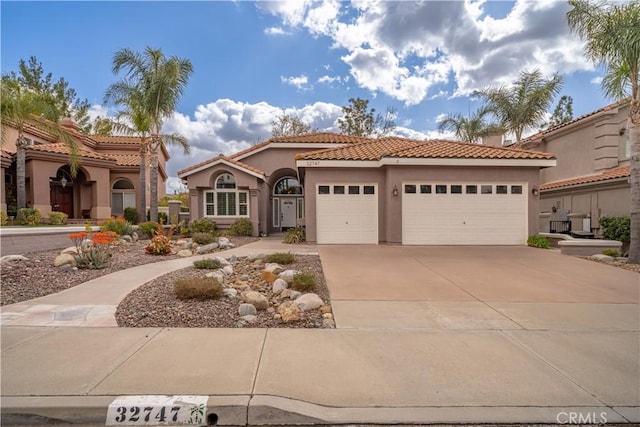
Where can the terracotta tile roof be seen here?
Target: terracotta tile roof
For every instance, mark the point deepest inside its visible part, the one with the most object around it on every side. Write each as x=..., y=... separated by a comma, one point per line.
x=372, y=149
x=221, y=157
x=584, y=116
x=405, y=148
x=310, y=138
x=6, y=154
x=125, y=159
x=116, y=139
x=63, y=149
x=617, y=173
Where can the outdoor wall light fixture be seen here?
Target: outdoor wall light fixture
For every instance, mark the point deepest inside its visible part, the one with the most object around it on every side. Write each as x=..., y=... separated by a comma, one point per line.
x=63, y=181
x=395, y=191
x=535, y=191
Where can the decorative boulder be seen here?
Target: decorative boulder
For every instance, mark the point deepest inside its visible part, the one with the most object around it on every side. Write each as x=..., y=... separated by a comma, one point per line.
x=602, y=257
x=185, y=253
x=279, y=285
x=206, y=249
x=218, y=275
x=227, y=270
x=233, y=260
x=135, y=236
x=290, y=293
x=258, y=300
x=7, y=258
x=230, y=293
x=309, y=302
x=247, y=310
x=255, y=257
x=223, y=261
x=289, y=311
x=223, y=242
x=126, y=238
x=250, y=318
x=287, y=275
x=71, y=250
x=64, y=259
x=274, y=268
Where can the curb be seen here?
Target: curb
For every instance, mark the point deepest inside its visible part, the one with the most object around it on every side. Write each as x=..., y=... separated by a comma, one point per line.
x=265, y=410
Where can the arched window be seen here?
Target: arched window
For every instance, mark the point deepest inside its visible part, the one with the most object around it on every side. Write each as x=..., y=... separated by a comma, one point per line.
x=123, y=195
x=287, y=186
x=226, y=199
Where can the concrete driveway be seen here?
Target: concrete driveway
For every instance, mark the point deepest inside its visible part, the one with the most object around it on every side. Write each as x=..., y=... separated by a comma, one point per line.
x=466, y=287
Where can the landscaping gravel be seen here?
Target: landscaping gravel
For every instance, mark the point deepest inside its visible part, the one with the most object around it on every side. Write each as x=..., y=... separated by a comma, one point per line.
x=154, y=304
x=620, y=263
x=36, y=276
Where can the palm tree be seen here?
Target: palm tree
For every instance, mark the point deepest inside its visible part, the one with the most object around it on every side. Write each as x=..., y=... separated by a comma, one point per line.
x=153, y=83
x=469, y=129
x=21, y=107
x=612, y=35
x=524, y=104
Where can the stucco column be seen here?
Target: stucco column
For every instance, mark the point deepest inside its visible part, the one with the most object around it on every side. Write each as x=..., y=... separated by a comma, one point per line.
x=254, y=213
x=174, y=212
x=101, y=194
x=3, y=200
x=38, y=187
x=194, y=206
x=543, y=222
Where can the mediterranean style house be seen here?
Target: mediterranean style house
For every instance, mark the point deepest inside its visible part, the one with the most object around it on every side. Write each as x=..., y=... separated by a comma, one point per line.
x=591, y=179
x=107, y=181
x=353, y=190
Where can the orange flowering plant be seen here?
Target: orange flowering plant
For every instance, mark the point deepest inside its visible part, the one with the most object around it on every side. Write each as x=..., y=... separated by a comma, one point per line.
x=93, y=254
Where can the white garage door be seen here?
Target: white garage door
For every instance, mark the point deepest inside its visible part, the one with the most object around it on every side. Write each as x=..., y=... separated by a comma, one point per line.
x=347, y=213
x=464, y=213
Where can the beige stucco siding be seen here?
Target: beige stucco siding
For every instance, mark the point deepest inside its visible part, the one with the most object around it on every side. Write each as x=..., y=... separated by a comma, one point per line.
x=390, y=207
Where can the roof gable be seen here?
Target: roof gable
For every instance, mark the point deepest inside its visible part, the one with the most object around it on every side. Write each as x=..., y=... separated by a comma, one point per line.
x=221, y=159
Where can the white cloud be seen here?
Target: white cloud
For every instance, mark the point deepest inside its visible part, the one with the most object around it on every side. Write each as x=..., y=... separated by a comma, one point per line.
x=299, y=82
x=596, y=80
x=329, y=79
x=275, y=31
x=409, y=50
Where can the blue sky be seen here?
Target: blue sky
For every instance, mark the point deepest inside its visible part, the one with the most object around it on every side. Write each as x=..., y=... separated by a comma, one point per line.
x=252, y=61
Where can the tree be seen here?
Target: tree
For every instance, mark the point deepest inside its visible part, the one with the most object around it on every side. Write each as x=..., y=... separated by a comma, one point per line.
x=469, y=129
x=563, y=112
x=152, y=86
x=32, y=76
x=359, y=121
x=288, y=125
x=102, y=126
x=21, y=106
x=612, y=36
x=524, y=104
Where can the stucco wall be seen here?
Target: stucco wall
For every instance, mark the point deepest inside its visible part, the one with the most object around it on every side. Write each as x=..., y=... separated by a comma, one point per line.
x=390, y=207
x=272, y=159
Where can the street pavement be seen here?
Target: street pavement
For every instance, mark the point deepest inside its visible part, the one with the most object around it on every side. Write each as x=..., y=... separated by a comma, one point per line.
x=424, y=335
x=21, y=240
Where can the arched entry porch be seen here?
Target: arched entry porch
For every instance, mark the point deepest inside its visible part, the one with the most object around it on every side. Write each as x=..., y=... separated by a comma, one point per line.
x=65, y=192
x=287, y=203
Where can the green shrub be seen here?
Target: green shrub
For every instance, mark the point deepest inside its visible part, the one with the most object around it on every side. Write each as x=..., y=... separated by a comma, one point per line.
x=160, y=245
x=131, y=215
x=28, y=216
x=204, y=225
x=198, y=288
x=148, y=228
x=611, y=252
x=4, y=218
x=294, y=236
x=538, y=241
x=209, y=264
x=118, y=225
x=304, y=282
x=616, y=228
x=203, y=238
x=58, y=218
x=162, y=218
x=281, y=258
x=185, y=232
x=241, y=227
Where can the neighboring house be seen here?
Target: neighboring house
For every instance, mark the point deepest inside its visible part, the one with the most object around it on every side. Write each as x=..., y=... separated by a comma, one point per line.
x=591, y=179
x=353, y=190
x=107, y=181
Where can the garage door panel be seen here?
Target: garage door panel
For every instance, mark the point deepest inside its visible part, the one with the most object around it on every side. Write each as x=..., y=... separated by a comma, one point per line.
x=465, y=219
x=350, y=218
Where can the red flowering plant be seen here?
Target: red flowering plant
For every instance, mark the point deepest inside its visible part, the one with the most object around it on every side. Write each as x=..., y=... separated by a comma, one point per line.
x=94, y=253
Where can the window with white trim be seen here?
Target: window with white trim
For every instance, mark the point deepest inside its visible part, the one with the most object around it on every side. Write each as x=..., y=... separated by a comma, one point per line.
x=226, y=199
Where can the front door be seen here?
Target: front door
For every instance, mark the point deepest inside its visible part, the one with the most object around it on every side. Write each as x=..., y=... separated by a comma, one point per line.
x=288, y=212
x=62, y=199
